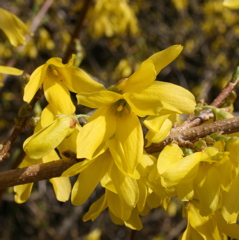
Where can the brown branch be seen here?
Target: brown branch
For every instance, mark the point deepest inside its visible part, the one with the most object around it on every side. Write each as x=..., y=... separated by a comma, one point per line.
x=203, y=116
x=76, y=34
x=225, y=126
x=56, y=168
x=34, y=173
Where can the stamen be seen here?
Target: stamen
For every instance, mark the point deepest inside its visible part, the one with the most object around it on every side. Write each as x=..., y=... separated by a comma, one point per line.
x=119, y=108
x=53, y=70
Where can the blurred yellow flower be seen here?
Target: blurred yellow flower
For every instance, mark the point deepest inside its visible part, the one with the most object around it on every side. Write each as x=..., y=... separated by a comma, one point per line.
x=13, y=27
x=234, y=4
x=111, y=17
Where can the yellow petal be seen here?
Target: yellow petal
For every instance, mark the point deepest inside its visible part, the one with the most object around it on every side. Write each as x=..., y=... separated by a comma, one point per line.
x=126, y=145
x=95, y=209
x=169, y=155
x=100, y=127
x=83, y=187
x=230, y=209
x=10, y=70
x=76, y=80
x=43, y=142
x=208, y=191
x=143, y=193
x=77, y=168
x=165, y=57
x=107, y=183
x=231, y=230
x=98, y=99
x=155, y=122
x=161, y=95
x=13, y=27
x=134, y=221
x=126, y=187
x=139, y=80
x=183, y=171
x=48, y=115
x=62, y=188
x=58, y=95
x=145, y=164
x=22, y=192
x=118, y=208
x=51, y=156
x=57, y=62
x=149, y=69
x=69, y=144
x=34, y=83
x=159, y=127
x=233, y=4
x=143, y=104
x=232, y=147
x=185, y=192
x=205, y=226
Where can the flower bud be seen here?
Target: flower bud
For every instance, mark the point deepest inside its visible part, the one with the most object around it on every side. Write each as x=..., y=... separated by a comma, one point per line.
x=48, y=138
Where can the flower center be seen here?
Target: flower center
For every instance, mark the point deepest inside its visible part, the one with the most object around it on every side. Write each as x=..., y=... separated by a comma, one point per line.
x=120, y=105
x=53, y=70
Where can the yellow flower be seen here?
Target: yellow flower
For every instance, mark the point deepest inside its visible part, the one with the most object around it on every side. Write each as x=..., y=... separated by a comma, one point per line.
x=115, y=125
x=159, y=126
x=13, y=27
x=126, y=198
x=58, y=80
x=42, y=154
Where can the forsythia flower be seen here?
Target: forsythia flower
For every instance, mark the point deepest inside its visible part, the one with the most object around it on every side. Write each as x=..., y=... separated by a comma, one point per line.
x=125, y=197
x=115, y=125
x=58, y=80
x=13, y=27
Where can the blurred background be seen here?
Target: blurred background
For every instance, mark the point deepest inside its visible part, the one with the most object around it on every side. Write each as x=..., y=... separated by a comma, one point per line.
x=116, y=37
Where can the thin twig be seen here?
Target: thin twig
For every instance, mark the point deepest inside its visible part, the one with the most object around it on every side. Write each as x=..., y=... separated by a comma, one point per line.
x=77, y=31
x=20, y=126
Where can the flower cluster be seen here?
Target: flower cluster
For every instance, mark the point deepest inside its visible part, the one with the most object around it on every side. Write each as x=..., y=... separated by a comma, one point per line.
x=110, y=148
